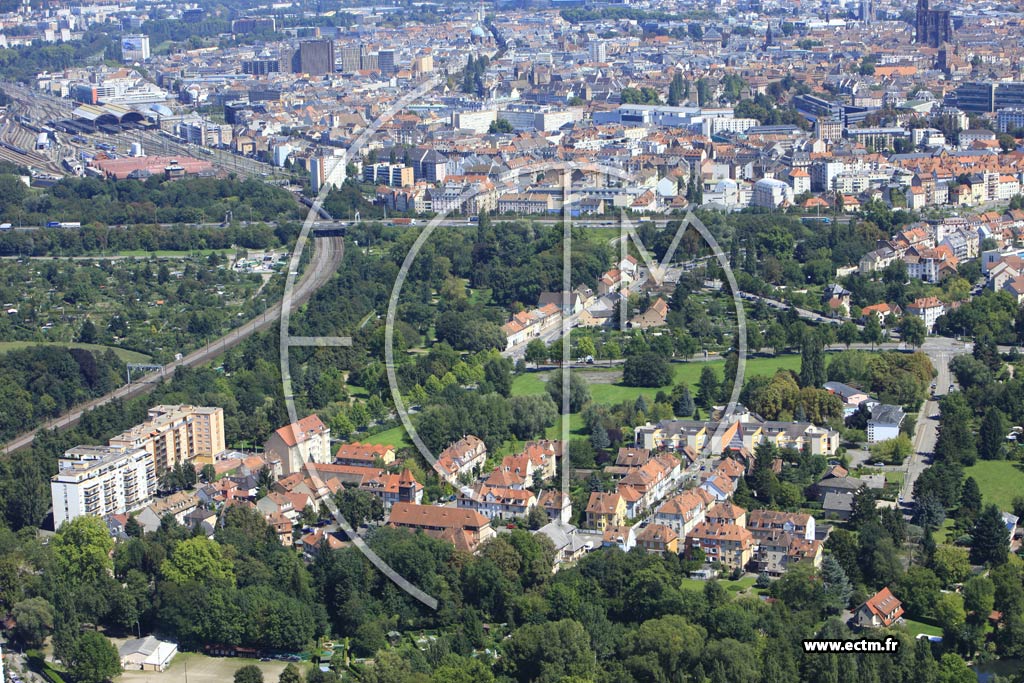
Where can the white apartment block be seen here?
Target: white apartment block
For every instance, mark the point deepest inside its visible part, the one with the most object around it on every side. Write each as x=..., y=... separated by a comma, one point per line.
x=101, y=480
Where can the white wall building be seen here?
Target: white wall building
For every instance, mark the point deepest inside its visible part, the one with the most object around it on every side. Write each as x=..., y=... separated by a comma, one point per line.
x=770, y=193
x=101, y=480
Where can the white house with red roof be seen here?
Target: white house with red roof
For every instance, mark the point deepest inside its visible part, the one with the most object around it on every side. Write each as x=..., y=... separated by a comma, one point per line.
x=308, y=440
x=881, y=609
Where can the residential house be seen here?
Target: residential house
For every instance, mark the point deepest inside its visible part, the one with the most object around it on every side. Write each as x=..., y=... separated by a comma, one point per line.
x=881, y=311
x=308, y=440
x=364, y=454
x=464, y=457
x=764, y=523
x=928, y=309
x=557, y=505
x=466, y=529
x=393, y=488
x=881, y=609
x=727, y=514
x=497, y=503
x=658, y=538
x=568, y=543
x=777, y=551
x=312, y=543
x=885, y=422
x=728, y=544
x=621, y=536
x=177, y=505
x=654, y=316
x=605, y=510
x=684, y=511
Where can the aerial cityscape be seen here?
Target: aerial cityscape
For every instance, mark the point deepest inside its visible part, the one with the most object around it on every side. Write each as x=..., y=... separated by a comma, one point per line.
x=552, y=341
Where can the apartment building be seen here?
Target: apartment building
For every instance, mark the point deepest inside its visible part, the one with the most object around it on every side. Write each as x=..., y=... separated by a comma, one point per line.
x=308, y=440
x=101, y=480
x=177, y=434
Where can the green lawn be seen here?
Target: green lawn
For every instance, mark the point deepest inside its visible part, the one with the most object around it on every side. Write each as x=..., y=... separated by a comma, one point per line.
x=395, y=436
x=895, y=477
x=124, y=354
x=728, y=584
x=606, y=389
x=915, y=628
x=1000, y=481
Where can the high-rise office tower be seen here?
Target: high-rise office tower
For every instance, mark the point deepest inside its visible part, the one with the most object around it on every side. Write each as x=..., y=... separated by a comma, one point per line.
x=314, y=57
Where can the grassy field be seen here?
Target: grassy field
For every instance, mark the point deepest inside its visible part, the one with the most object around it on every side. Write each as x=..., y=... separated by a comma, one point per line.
x=1000, y=481
x=915, y=628
x=734, y=586
x=605, y=387
x=124, y=354
x=395, y=436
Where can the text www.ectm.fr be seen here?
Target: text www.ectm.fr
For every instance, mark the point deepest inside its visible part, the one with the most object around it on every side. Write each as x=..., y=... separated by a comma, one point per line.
x=888, y=645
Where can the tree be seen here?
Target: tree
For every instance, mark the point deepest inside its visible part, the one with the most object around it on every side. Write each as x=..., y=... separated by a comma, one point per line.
x=646, y=370
x=837, y=585
x=579, y=392
x=209, y=473
x=198, y=559
x=812, y=361
x=548, y=652
x=499, y=126
x=531, y=415
x=682, y=402
x=536, y=351
x=775, y=337
x=87, y=334
x=950, y=564
x=913, y=331
x=33, y=621
x=93, y=659
x=847, y=333
x=250, y=673
x=707, y=387
x=82, y=549
x=863, y=509
x=872, y=332
x=918, y=589
x=970, y=500
x=992, y=435
x=990, y=540
x=359, y=507
x=675, y=89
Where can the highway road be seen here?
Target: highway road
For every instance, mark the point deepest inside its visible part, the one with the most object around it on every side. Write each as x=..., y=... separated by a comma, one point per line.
x=327, y=256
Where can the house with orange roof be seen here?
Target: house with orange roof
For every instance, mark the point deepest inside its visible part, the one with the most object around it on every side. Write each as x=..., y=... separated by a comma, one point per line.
x=684, y=511
x=881, y=609
x=464, y=457
x=658, y=538
x=729, y=544
x=364, y=454
x=621, y=536
x=605, y=510
x=308, y=440
x=928, y=309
